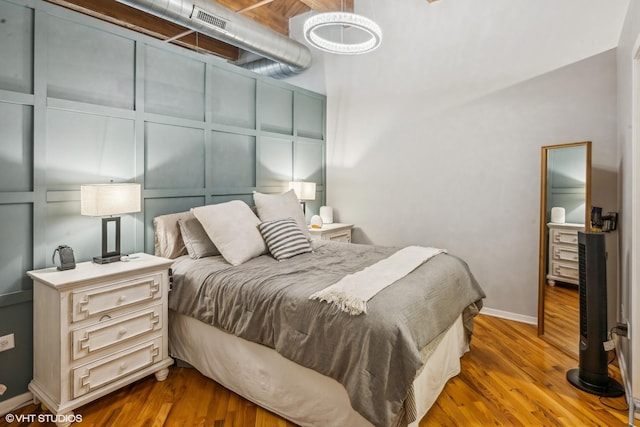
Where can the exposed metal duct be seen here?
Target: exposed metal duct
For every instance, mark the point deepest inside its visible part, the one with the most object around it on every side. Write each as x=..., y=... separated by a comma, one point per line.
x=285, y=56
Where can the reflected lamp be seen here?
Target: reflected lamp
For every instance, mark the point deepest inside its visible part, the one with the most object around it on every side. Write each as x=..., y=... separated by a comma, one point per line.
x=107, y=200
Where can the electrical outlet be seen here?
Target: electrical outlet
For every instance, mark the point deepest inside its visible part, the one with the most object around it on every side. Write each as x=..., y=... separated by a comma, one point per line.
x=7, y=342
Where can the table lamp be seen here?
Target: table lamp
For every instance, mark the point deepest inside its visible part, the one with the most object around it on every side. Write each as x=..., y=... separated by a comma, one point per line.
x=304, y=191
x=107, y=200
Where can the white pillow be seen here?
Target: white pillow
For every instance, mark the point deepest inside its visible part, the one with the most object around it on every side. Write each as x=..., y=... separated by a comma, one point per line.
x=233, y=228
x=280, y=206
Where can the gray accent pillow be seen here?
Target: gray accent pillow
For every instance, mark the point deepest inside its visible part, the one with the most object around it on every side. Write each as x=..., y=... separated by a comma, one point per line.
x=280, y=206
x=284, y=238
x=196, y=240
x=233, y=228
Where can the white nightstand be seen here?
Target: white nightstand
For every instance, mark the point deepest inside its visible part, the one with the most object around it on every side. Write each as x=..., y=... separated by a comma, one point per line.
x=97, y=328
x=336, y=232
x=563, y=253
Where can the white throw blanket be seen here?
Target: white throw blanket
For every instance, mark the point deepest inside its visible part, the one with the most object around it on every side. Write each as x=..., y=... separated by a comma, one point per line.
x=352, y=292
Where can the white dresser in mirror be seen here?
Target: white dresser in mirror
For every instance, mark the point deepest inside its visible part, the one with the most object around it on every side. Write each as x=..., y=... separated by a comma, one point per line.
x=563, y=253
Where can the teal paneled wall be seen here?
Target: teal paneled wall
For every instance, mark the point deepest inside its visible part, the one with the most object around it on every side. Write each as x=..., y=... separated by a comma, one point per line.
x=82, y=101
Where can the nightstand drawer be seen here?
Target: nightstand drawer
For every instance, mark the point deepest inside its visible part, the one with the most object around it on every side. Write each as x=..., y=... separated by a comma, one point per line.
x=567, y=271
x=101, y=372
x=107, y=334
x=97, y=301
x=561, y=253
x=340, y=236
x=569, y=237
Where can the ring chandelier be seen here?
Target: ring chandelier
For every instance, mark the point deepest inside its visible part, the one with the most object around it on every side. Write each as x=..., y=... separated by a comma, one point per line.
x=341, y=19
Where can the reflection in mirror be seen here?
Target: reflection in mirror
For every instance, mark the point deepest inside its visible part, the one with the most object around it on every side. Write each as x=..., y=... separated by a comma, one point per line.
x=565, y=199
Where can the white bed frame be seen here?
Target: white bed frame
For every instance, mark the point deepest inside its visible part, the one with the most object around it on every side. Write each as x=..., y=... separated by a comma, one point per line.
x=292, y=391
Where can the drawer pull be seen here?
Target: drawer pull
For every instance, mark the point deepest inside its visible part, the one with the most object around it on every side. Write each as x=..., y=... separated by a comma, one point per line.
x=122, y=332
x=84, y=380
x=122, y=298
x=123, y=366
x=83, y=305
x=84, y=342
x=155, y=288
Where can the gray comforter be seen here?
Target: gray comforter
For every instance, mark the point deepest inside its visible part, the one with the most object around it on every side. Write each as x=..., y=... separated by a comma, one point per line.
x=375, y=356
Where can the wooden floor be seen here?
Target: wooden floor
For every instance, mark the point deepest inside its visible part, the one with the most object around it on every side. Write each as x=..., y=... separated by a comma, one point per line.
x=510, y=378
x=562, y=317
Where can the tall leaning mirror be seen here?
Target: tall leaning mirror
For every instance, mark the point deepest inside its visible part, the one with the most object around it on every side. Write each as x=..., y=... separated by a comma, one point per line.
x=565, y=209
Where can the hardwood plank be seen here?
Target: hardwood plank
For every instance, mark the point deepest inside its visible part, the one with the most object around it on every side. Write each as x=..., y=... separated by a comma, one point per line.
x=562, y=317
x=511, y=377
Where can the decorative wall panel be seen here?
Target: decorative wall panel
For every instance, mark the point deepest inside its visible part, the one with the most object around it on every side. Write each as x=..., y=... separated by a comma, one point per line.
x=247, y=198
x=174, y=85
x=16, y=48
x=275, y=162
x=16, y=252
x=16, y=147
x=89, y=65
x=174, y=157
x=276, y=109
x=237, y=150
x=309, y=161
x=86, y=148
x=233, y=99
x=310, y=116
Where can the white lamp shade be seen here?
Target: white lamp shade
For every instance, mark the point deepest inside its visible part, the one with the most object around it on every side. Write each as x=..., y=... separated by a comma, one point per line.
x=109, y=199
x=304, y=190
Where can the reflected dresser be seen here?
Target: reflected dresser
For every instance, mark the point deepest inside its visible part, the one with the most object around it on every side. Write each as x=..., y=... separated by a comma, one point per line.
x=563, y=253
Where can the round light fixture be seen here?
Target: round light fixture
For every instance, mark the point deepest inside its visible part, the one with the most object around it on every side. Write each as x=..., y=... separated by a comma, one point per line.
x=342, y=19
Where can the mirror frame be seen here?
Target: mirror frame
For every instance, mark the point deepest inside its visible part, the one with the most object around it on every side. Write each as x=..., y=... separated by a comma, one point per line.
x=543, y=242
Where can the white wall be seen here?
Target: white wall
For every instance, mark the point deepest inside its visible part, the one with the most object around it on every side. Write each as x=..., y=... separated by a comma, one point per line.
x=435, y=137
x=468, y=178
x=629, y=161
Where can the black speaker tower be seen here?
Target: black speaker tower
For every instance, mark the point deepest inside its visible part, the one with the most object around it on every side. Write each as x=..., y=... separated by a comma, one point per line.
x=592, y=375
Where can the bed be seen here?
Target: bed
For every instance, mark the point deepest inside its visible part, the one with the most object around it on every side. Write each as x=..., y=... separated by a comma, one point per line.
x=252, y=323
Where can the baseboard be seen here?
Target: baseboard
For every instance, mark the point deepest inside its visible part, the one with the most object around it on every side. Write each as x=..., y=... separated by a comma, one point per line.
x=15, y=402
x=509, y=316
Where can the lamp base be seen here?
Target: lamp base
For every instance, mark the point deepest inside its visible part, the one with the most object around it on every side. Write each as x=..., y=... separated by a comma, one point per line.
x=106, y=259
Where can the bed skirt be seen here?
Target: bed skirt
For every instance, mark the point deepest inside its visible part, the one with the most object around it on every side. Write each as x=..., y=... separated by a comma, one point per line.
x=292, y=391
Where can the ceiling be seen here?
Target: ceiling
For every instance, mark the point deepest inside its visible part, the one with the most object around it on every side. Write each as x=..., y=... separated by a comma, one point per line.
x=274, y=14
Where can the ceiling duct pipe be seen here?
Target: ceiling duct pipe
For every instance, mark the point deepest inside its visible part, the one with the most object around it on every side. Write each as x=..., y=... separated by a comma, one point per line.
x=285, y=56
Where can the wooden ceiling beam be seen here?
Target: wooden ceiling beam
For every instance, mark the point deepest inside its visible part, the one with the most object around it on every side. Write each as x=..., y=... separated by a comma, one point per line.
x=142, y=22
x=255, y=6
x=329, y=5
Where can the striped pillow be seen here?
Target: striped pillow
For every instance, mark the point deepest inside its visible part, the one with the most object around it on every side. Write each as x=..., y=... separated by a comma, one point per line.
x=284, y=238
